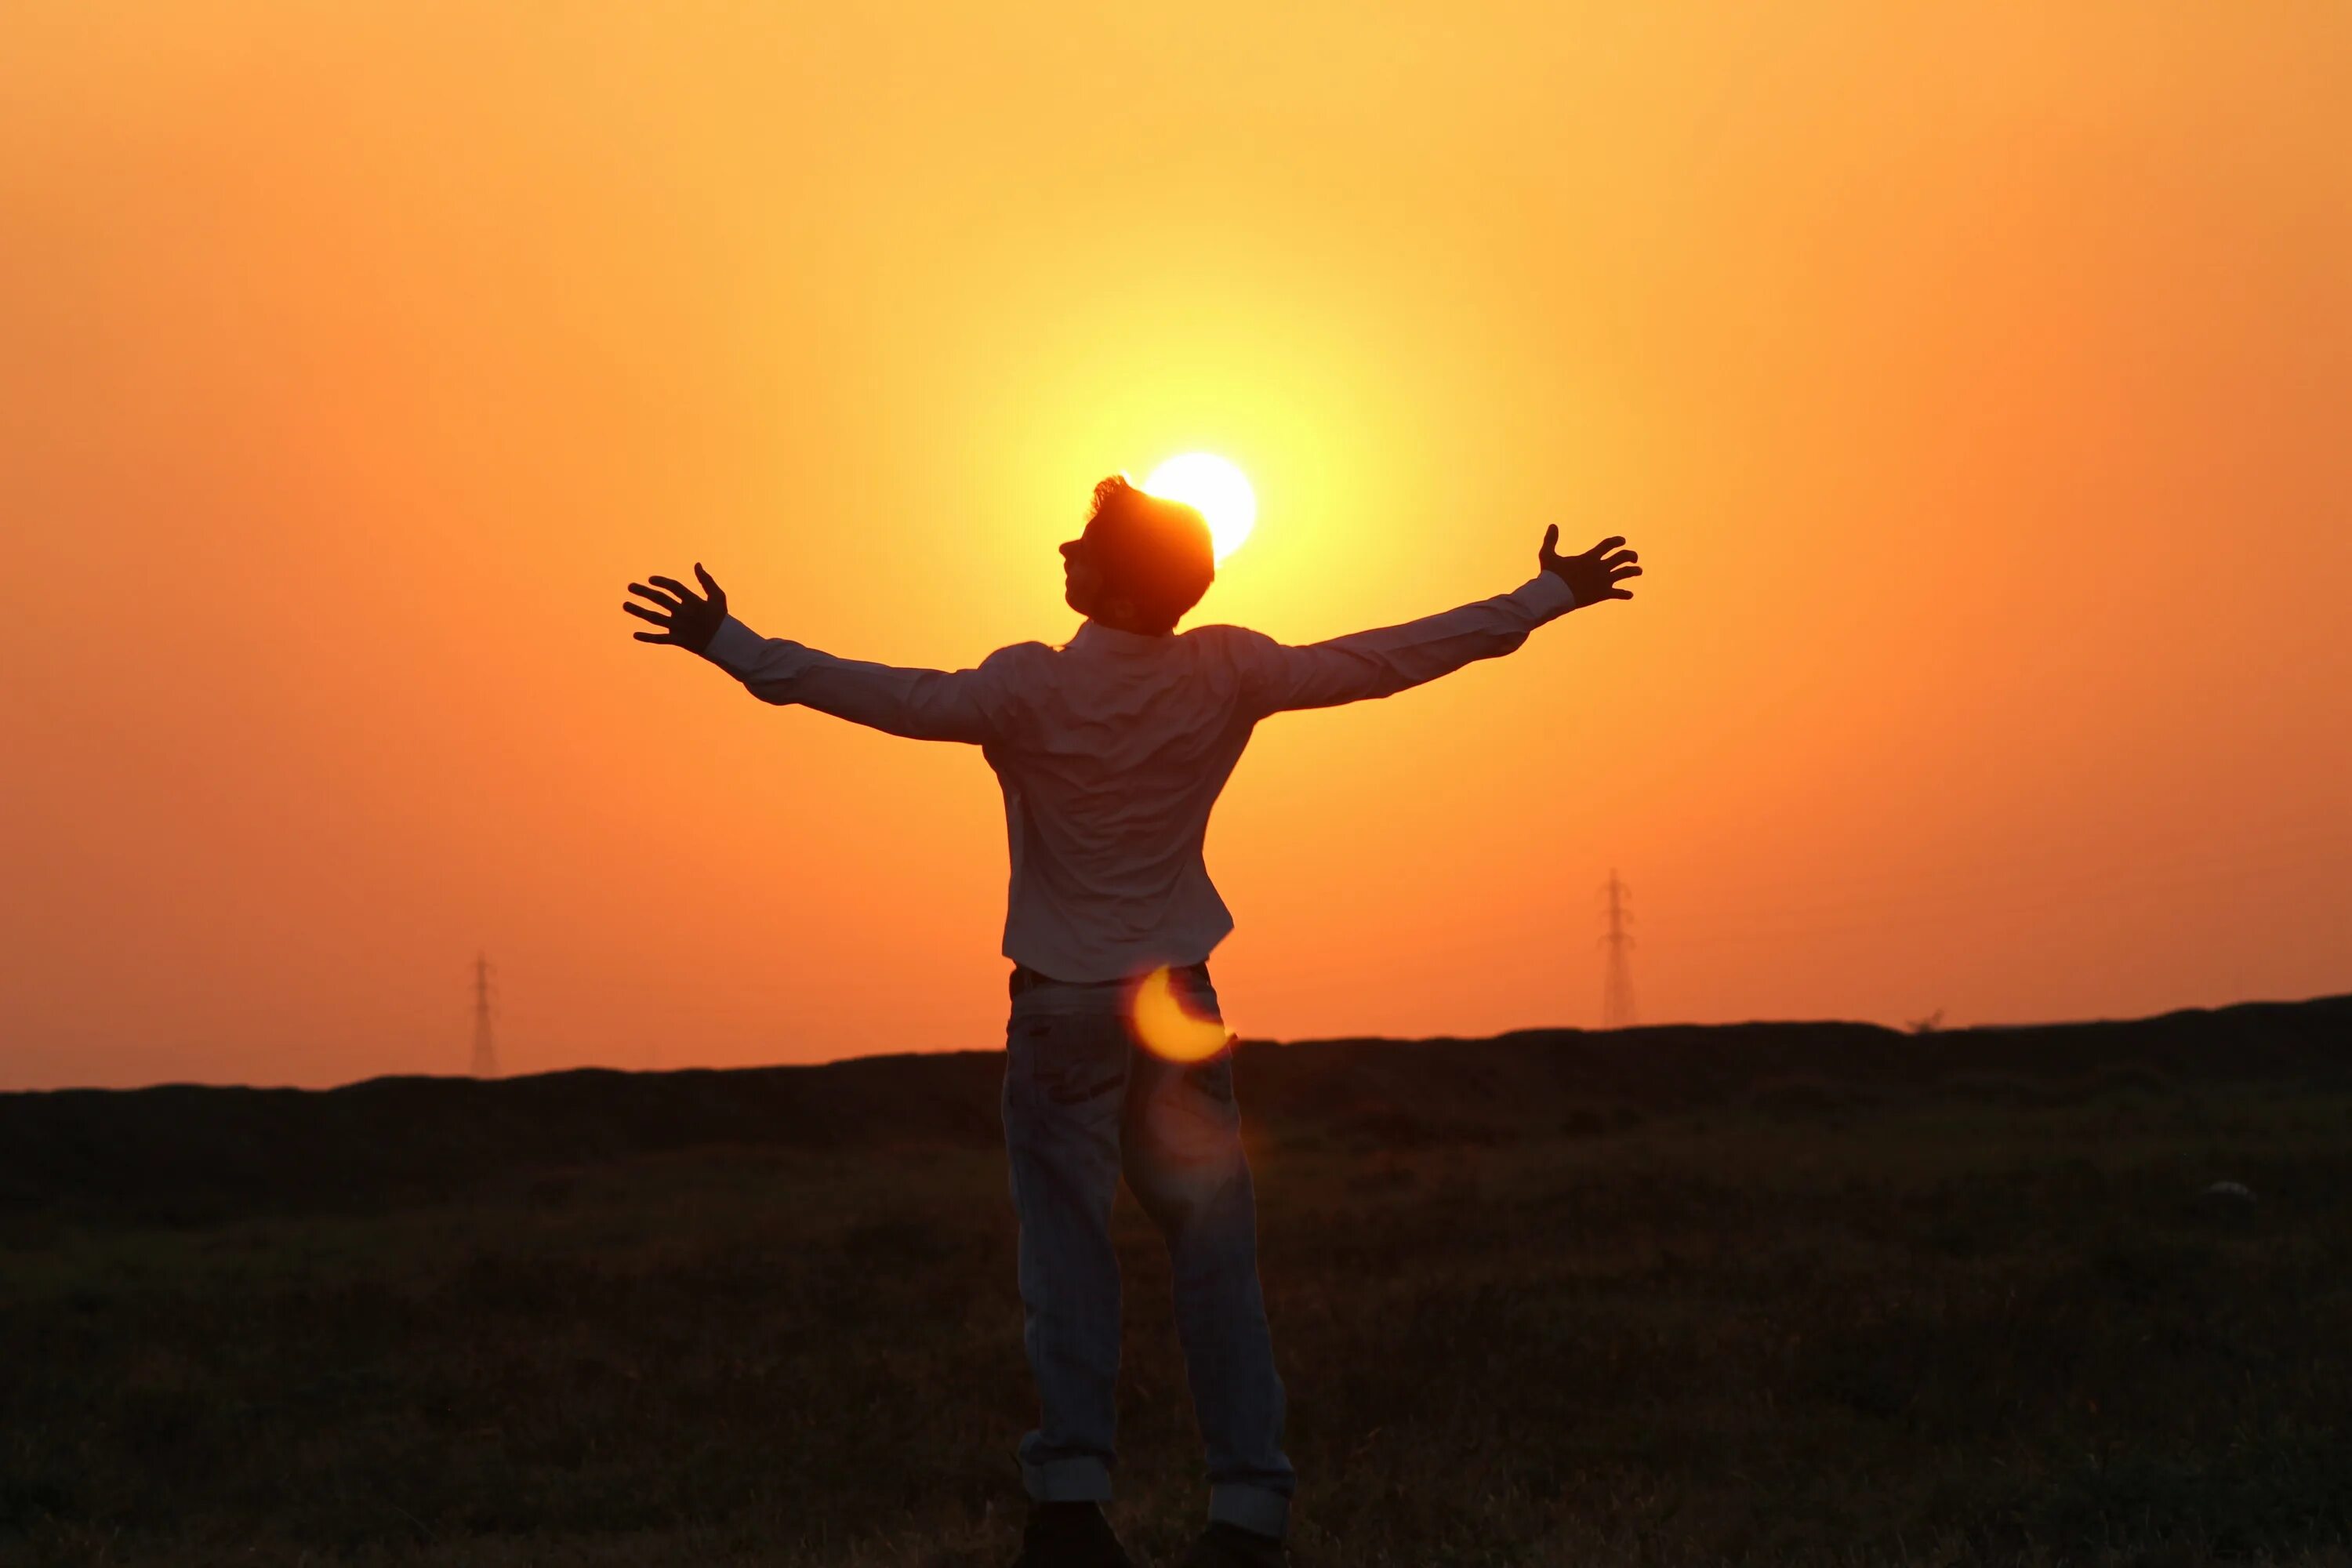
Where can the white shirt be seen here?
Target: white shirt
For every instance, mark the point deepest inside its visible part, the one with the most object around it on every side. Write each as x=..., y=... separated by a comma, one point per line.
x=1112, y=750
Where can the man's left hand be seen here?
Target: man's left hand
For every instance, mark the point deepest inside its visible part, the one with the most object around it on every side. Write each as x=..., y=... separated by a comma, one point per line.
x=689, y=621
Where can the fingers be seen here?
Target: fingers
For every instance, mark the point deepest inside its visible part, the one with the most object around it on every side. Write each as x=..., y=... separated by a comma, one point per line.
x=652, y=636
x=664, y=600
x=1606, y=545
x=709, y=583
x=1619, y=573
x=645, y=614
x=1623, y=558
x=684, y=593
x=1551, y=538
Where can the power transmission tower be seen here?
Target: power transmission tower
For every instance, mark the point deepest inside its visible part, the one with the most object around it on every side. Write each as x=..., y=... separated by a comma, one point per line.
x=485, y=1049
x=1617, y=972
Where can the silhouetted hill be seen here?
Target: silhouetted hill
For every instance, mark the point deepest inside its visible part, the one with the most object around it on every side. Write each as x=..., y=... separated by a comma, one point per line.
x=184, y=1152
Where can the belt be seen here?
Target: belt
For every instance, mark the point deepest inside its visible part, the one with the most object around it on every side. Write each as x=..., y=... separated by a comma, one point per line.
x=1026, y=978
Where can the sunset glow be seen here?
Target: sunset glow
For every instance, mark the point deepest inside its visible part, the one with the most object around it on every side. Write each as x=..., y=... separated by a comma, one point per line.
x=1933, y=355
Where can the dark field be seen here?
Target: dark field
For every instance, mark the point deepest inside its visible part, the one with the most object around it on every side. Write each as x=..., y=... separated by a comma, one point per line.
x=1786, y=1294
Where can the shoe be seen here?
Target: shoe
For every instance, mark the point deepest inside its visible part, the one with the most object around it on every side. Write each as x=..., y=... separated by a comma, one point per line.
x=1070, y=1535
x=1226, y=1544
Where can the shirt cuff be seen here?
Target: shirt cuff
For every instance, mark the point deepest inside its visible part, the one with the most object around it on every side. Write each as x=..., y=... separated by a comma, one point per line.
x=734, y=647
x=1546, y=594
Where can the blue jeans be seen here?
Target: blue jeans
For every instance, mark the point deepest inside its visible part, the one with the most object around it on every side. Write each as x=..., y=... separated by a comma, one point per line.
x=1083, y=1101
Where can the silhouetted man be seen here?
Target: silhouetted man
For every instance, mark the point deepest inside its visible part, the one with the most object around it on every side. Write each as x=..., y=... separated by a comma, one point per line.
x=1111, y=750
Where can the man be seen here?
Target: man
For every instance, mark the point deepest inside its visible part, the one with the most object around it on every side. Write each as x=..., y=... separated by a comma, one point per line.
x=1110, y=752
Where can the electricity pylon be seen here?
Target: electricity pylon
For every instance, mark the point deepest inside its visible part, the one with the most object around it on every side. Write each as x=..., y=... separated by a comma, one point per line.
x=1617, y=972
x=486, y=1049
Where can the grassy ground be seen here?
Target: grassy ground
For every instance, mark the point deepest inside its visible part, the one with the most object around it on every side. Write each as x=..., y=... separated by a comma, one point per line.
x=1791, y=1329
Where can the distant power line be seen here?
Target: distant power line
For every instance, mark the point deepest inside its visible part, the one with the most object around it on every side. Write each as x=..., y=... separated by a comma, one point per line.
x=1617, y=969
x=486, y=1049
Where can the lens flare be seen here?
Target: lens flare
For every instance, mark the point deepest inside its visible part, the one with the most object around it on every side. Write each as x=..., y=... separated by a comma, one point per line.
x=1216, y=488
x=1167, y=1028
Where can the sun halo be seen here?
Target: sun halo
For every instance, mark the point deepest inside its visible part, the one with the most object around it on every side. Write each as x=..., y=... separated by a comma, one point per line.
x=1224, y=497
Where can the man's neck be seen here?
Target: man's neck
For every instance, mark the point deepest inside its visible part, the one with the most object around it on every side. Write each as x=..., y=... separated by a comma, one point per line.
x=1133, y=631
x=1108, y=634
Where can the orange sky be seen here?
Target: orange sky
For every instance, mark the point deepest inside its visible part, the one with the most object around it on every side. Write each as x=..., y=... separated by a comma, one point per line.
x=1972, y=379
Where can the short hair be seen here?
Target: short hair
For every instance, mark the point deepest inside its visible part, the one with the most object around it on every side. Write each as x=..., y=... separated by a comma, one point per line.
x=1157, y=552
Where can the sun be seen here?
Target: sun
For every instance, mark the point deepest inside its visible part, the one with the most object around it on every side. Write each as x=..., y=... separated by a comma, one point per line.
x=1216, y=486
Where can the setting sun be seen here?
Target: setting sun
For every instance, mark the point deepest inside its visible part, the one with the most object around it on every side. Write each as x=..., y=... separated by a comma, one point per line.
x=1214, y=486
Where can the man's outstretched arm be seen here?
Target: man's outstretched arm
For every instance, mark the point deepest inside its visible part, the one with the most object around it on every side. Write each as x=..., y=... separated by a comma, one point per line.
x=921, y=704
x=1377, y=663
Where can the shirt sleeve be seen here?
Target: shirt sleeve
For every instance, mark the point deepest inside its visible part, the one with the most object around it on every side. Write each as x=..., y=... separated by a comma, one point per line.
x=969, y=705
x=1276, y=676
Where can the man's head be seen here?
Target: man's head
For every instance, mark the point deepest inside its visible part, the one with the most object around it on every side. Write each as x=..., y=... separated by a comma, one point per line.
x=1142, y=562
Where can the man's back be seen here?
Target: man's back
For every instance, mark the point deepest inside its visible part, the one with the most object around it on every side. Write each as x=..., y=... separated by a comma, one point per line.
x=1114, y=751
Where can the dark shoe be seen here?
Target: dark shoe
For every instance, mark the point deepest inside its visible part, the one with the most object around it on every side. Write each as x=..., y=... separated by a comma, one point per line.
x=1070, y=1535
x=1227, y=1545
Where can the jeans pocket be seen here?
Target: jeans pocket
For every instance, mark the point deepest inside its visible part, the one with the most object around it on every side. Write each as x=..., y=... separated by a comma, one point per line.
x=1071, y=1060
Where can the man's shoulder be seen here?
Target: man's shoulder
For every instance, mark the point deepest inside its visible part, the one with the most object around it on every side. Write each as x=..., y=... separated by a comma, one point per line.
x=1224, y=634
x=1015, y=656
x=1240, y=649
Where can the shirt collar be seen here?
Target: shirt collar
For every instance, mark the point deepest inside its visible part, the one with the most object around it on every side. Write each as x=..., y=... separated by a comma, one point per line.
x=1095, y=637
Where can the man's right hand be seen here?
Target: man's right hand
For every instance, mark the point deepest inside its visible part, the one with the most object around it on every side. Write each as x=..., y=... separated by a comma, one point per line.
x=1593, y=575
x=690, y=621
